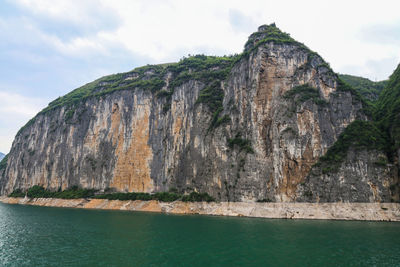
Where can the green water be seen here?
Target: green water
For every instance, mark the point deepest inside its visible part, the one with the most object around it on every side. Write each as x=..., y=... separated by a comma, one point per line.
x=40, y=236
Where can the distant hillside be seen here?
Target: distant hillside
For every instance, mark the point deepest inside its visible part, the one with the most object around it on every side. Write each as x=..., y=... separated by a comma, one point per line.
x=2, y=156
x=364, y=86
x=388, y=112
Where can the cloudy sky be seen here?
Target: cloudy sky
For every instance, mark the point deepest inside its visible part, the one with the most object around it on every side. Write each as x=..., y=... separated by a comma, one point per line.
x=49, y=47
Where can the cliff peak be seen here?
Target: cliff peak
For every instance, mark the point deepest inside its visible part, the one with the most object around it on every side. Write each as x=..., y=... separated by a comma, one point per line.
x=267, y=33
x=265, y=27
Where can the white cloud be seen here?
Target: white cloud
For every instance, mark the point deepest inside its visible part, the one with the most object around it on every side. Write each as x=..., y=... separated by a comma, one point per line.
x=16, y=110
x=79, y=46
x=167, y=30
x=373, y=69
x=12, y=104
x=83, y=12
x=23, y=31
x=5, y=141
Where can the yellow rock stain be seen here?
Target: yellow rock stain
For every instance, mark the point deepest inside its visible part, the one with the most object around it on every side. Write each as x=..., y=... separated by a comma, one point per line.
x=132, y=171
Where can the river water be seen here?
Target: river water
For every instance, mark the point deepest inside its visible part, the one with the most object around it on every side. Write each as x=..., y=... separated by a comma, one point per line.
x=41, y=236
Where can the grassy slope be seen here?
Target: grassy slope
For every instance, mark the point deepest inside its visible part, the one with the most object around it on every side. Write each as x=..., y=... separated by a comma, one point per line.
x=367, y=88
x=387, y=113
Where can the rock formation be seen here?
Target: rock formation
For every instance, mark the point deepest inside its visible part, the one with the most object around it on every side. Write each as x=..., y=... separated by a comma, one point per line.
x=249, y=127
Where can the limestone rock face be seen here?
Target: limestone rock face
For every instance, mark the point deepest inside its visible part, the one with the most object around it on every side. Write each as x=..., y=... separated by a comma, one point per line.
x=361, y=178
x=282, y=108
x=288, y=135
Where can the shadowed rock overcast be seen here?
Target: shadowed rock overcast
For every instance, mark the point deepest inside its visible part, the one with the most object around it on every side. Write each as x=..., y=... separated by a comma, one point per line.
x=49, y=48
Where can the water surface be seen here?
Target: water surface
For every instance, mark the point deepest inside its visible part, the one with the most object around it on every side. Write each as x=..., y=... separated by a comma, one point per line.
x=41, y=236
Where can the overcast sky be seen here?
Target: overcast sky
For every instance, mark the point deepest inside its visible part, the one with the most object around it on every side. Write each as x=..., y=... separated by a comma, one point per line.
x=49, y=47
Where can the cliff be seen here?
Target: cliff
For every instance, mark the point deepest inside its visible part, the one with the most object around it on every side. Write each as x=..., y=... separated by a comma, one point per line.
x=255, y=126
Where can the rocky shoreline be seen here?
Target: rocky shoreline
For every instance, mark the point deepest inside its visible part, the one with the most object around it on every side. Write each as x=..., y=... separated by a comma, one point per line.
x=323, y=211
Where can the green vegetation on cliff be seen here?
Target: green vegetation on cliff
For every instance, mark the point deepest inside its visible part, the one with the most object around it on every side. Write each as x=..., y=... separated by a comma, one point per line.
x=367, y=88
x=367, y=106
x=358, y=135
x=381, y=134
x=387, y=113
x=209, y=70
x=206, y=69
x=242, y=144
x=212, y=96
x=3, y=164
x=269, y=33
x=272, y=34
x=17, y=193
x=71, y=193
x=200, y=67
x=305, y=92
x=160, y=196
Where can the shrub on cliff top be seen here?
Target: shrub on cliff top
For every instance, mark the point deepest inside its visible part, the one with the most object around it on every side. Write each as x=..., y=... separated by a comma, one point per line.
x=268, y=33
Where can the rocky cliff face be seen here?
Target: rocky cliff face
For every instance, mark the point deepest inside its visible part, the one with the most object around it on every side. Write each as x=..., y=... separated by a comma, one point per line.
x=364, y=176
x=242, y=128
